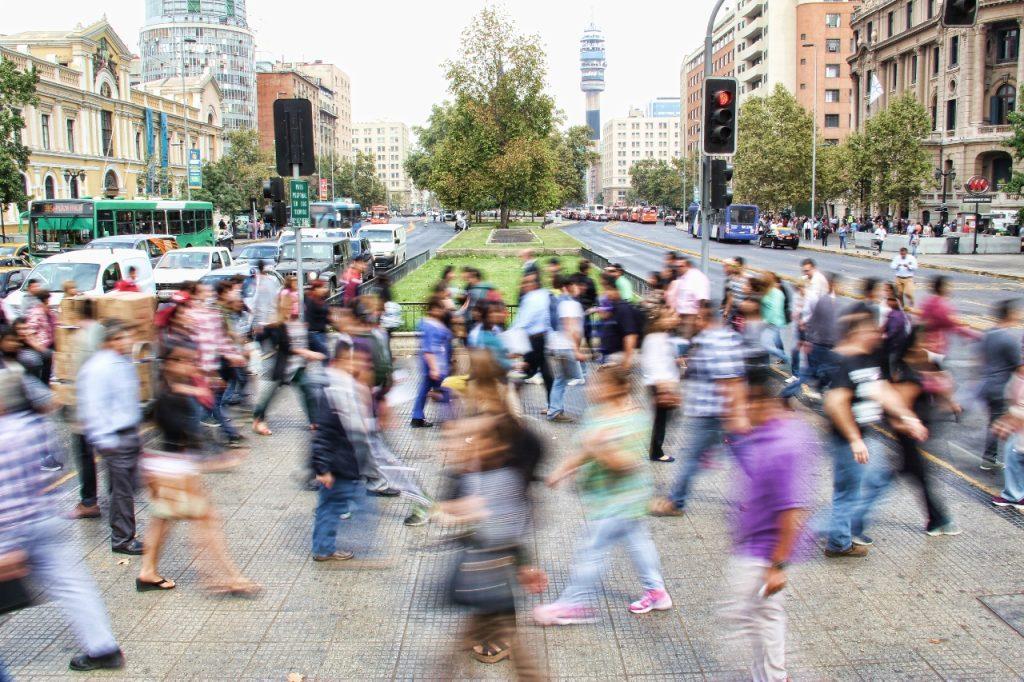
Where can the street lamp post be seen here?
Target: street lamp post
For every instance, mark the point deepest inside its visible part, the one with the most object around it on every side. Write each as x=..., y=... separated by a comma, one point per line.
x=945, y=176
x=184, y=113
x=814, y=132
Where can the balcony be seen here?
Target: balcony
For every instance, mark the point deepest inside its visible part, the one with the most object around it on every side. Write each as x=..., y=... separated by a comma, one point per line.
x=753, y=30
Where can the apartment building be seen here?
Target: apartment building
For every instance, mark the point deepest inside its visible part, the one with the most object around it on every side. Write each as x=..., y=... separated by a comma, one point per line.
x=388, y=143
x=628, y=139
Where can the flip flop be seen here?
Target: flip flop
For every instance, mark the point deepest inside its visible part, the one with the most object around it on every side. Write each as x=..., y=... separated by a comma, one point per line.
x=491, y=651
x=147, y=586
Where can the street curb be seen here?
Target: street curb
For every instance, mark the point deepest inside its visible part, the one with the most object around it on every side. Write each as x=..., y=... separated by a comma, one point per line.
x=946, y=268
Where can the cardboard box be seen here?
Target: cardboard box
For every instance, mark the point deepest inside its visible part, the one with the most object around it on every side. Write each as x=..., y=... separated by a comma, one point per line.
x=64, y=393
x=128, y=306
x=145, y=371
x=64, y=365
x=71, y=310
x=64, y=338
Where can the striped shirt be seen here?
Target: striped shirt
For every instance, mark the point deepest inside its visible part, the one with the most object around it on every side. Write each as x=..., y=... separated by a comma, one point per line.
x=27, y=438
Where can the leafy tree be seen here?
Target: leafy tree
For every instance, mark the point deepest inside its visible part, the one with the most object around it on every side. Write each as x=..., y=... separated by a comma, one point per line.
x=657, y=182
x=773, y=153
x=1015, y=185
x=356, y=180
x=575, y=154
x=237, y=177
x=689, y=173
x=17, y=90
x=900, y=166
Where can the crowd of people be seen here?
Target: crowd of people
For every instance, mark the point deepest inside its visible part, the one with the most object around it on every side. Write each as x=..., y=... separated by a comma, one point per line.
x=722, y=370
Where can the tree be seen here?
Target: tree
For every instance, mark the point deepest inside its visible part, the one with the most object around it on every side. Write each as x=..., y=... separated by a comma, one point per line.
x=356, y=180
x=657, y=182
x=237, y=177
x=900, y=166
x=17, y=90
x=773, y=153
x=574, y=157
x=689, y=174
x=1015, y=185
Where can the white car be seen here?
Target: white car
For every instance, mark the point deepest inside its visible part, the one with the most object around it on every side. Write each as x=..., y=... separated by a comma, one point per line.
x=185, y=265
x=387, y=244
x=94, y=271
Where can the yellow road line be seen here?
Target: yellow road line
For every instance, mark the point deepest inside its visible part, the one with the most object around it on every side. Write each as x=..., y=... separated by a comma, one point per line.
x=935, y=459
x=60, y=481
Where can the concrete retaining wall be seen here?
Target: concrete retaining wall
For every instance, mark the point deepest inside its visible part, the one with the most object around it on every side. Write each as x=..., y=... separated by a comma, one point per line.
x=986, y=243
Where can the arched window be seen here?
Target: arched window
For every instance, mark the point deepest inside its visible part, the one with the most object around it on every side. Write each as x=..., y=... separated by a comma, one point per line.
x=73, y=187
x=48, y=189
x=1002, y=104
x=110, y=186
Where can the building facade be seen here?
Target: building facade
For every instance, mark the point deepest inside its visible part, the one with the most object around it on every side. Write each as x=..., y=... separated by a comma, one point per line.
x=628, y=139
x=388, y=143
x=92, y=134
x=338, y=82
x=824, y=43
x=691, y=81
x=287, y=83
x=201, y=36
x=967, y=78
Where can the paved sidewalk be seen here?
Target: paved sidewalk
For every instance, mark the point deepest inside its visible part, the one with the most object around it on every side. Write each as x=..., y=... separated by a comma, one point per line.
x=1009, y=265
x=911, y=610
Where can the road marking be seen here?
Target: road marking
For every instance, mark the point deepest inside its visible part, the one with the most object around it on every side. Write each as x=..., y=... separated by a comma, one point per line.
x=60, y=481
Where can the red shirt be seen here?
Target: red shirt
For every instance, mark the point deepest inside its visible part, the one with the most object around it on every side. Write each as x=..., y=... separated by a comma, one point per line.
x=126, y=285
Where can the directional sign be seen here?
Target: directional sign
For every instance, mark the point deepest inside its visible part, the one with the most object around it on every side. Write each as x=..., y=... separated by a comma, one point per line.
x=980, y=199
x=300, y=202
x=195, y=169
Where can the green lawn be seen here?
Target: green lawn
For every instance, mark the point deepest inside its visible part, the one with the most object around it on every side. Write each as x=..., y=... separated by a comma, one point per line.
x=501, y=271
x=549, y=238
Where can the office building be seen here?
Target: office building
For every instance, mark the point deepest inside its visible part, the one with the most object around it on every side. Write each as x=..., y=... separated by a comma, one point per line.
x=628, y=139
x=388, y=143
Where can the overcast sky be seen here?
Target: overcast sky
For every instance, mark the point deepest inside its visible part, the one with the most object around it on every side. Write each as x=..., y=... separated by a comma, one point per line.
x=393, y=49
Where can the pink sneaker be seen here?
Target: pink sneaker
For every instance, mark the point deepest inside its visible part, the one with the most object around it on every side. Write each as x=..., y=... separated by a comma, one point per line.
x=563, y=614
x=653, y=600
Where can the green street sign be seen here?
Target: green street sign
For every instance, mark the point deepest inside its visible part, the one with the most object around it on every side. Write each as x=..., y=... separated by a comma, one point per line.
x=300, y=202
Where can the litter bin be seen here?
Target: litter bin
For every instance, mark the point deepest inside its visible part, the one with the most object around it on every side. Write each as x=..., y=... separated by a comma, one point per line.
x=952, y=244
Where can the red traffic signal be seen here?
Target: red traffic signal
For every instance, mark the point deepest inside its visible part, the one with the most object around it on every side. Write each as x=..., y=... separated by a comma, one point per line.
x=719, y=129
x=722, y=98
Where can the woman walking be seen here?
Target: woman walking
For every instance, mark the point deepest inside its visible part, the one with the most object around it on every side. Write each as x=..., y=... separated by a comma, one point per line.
x=661, y=377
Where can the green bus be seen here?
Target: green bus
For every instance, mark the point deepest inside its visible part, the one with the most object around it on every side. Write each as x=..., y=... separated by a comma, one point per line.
x=58, y=225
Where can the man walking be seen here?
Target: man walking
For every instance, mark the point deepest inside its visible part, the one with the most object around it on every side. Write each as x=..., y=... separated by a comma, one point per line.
x=686, y=293
x=904, y=265
x=535, y=319
x=564, y=344
x=1000, y=357
x=108, y=407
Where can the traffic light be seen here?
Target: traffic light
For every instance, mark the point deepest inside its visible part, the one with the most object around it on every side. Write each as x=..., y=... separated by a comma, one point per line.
x=273, y=189
x=721, y=183
x=719, y=116
x=959, y=12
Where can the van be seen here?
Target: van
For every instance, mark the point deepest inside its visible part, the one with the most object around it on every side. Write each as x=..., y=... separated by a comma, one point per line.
x=387, y=244
x=94, y=272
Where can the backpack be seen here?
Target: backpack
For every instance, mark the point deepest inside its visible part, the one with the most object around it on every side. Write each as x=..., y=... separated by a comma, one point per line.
x=553, y=302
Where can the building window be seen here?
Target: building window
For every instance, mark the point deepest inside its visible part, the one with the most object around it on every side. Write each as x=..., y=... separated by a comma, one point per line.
x=954, y=51
x=832, y=20
x=1003, y=103
x=44, y=129
x=871, y=32
x=48, y=189
x=832, y=45
x=831, y=120
x=895, y=76
x=951, y=114
x=1007, y=44
x=855, y=42
x=890, y=24
x=107, y=132
x=913, y=68
x=910, y=14
x=70, y=127
x=193, y=7
x=832, y=96
x=831, y=71
x=935, y=112
x=931, y=8
x=935, y=60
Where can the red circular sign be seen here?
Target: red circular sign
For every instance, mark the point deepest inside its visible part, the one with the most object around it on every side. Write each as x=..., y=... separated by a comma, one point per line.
x=978, y=184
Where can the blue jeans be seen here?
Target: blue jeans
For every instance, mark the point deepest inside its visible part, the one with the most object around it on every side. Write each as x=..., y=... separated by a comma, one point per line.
x=54, y=561
x=771, y=341
x=855, y=489
x=590, y=562
x=220, y=414
x=703, y=433
x=566, y=368
x=426, y=386
x=1013, y=473
x=332, y=502
x=318, y=343
x=820, y=362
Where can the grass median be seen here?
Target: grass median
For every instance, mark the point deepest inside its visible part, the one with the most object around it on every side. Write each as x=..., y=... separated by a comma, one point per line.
x=547, y=238
x=503, y=272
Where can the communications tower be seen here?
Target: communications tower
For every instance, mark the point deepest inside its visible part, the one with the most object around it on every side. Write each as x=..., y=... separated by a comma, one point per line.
x=592, y=66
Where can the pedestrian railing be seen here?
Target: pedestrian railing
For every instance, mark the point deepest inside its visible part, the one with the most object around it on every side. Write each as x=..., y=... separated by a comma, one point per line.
x=394, y=274
x=413, y=312
x=640, y=285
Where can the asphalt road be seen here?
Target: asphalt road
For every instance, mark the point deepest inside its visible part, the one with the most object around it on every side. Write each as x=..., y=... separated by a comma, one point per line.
x=425, y=235
x=959, y=444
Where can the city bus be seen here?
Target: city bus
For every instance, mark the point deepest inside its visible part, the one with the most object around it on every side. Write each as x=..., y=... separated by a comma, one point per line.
x=343, y=213
x=379, y=215
x=58, y=225
x=738, y=222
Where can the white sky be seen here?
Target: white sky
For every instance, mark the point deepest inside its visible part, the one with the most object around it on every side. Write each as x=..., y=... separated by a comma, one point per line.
x=393, y=49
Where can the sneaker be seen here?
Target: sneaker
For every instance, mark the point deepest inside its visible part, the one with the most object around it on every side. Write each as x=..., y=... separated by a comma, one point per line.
x=236, y=442
x=418, y=517
x=576, y=382
x=998, y=501
x=988, y=465
x=563, y=614
x=50, y=464
x=112, y=661
x=851, y=551
x=337, y=556
x=561, y=418
x=209, y=421
x=945, y=529
x=386, y=492
x=535, y=379
x=863, y=540
x=345, y=516
x=653, y=600
x=420, y=424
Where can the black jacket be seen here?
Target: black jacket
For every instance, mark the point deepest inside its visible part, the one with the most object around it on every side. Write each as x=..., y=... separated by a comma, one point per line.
x=331, y=450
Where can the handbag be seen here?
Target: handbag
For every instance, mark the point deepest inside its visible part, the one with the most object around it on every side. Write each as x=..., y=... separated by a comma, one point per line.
x=483, y=578
x=175, y=486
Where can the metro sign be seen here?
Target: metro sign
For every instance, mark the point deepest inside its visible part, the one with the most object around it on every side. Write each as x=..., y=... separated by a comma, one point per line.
x=978, y=184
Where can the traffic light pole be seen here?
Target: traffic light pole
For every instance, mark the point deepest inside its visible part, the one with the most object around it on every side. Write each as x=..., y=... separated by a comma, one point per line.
x=705, y=179
x=298, y=257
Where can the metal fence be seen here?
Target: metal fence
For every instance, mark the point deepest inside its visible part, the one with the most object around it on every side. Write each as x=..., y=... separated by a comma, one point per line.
x=640, y=285
x=413, y=312
x=394, y=274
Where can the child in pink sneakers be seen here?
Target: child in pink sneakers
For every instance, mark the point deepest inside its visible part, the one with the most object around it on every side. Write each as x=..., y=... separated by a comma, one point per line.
x=616, y=488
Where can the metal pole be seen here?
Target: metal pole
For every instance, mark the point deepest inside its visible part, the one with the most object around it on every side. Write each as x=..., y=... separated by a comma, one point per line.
x=184, y=116
x=300, y=275
x=705, y=180
x=977, y=224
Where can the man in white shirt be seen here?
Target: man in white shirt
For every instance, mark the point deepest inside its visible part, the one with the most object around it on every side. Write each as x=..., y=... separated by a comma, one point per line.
x=879, y=236
x=563, y=343
x=904, y=265
x=817, y=286
x=686, y=292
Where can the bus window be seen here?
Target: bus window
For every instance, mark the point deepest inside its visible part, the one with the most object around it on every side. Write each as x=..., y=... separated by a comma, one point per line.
x=125, y=222
x=143, y=222
x=174, y=222
x=160, y=222
x=104, y=223
x=188, y=222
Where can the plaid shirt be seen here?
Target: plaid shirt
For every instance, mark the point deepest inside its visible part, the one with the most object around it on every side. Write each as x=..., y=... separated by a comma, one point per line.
x=27, y=438
x=716, y=354
x=210, y=336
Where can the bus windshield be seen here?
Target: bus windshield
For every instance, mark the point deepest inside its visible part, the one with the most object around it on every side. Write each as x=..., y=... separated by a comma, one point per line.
x=378, y=236
x=53, y=235
x=53, y=275
x=309, y=251
x=185, y=260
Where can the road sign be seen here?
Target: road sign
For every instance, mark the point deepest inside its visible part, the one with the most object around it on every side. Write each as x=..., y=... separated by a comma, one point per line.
x=195, y=169
x=980, y=199
x=300, y=202
x=983, y=207
x=323, y=189
x=978, y=184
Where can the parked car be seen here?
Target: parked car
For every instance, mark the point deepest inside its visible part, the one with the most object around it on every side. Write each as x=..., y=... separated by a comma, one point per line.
x=779, y=237
x=360, y=248
x=155, y=245
x=94, y=271
x=387, y=244
x=184, y=265
x=447, y=216
x=253, y=254
x=249, y=272
x=322, y=259
x=11, y=278
x=14, y=254
x=669, y=219
x=288, y=234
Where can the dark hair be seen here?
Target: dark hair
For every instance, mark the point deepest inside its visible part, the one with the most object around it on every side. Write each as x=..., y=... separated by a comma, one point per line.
x=447, y=270
x=868, y=285
x=608, y=280
x=132, y=268
x=584, y=266
x=739, y=260
x=808, y=261
x=1005, y=309
x=854, y=322
x=224, y=286
x=939, y=283
x=33, y=280
x=435, y=303
x=189, y=287
x=554, y=261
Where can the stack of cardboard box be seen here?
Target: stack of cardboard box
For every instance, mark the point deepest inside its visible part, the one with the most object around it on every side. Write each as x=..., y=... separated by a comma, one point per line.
x=136, y=309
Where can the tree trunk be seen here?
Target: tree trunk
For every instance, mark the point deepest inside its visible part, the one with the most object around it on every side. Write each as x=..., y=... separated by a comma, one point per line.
x=503, y=217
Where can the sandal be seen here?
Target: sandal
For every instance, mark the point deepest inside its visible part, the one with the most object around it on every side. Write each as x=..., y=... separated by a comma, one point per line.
x=242, y=588
x=663, y=458
x=149, y=585
x=260, y=428
x=490, y=651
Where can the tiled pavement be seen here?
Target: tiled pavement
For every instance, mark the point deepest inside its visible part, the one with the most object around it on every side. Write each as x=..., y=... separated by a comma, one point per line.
x=909, y=611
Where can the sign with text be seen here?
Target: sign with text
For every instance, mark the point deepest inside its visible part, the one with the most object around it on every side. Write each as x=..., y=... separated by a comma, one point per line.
x=300, y=202
x=323, y=189
x=195, y=169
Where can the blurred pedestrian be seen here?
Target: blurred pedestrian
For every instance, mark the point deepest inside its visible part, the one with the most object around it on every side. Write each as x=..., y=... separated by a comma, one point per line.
x=660, y=366
x=435, y=360
x=940, y=320
x=1000, y=353
x=1010, y=426
x=85, y=343
x=563, y=343
x=534, y=318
